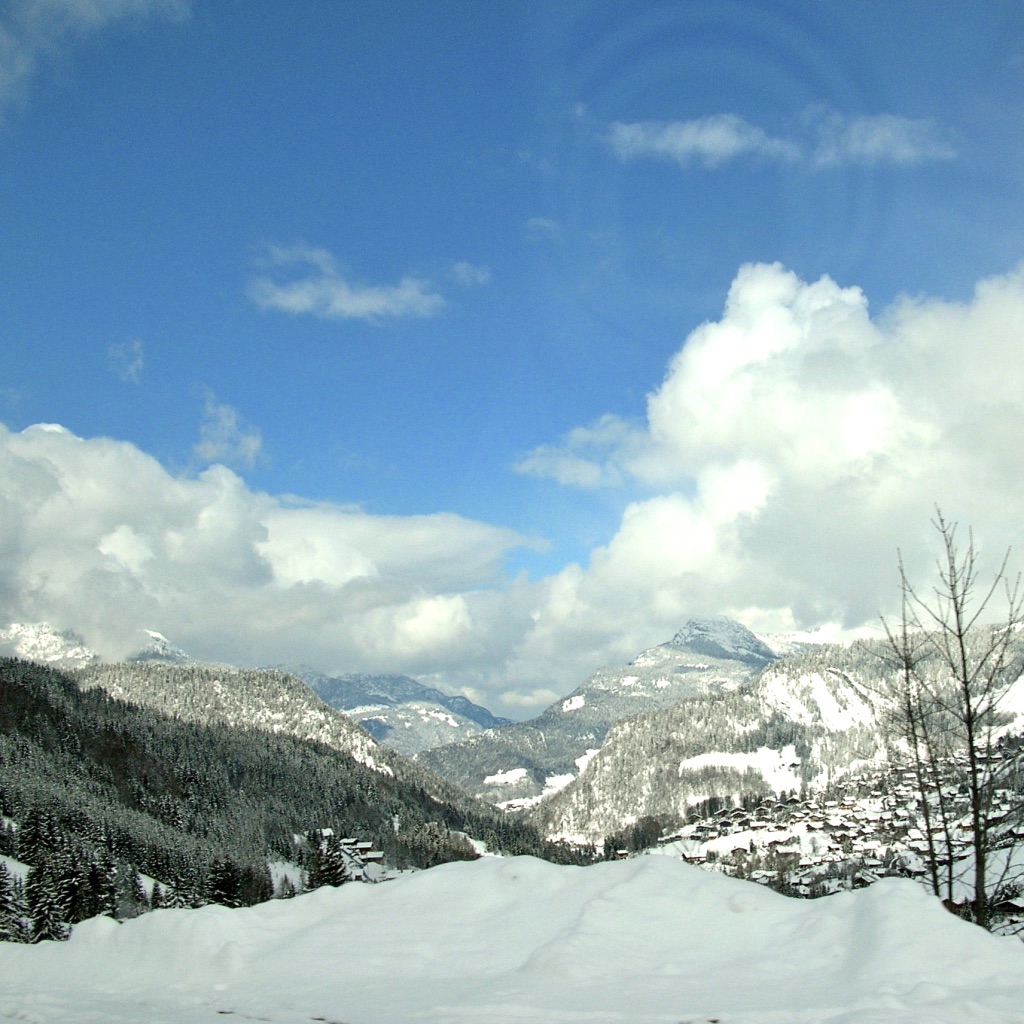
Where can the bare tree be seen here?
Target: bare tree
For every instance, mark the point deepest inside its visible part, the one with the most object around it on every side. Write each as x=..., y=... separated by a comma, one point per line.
x=956, y=669
x=909, y=720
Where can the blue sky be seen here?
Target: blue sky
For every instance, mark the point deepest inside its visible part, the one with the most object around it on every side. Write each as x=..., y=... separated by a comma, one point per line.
x=398, y=296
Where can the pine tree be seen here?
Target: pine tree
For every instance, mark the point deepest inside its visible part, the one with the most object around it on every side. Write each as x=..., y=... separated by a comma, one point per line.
x=223, y=883
x=102, y=883
x=330, y=866
x=47, y=897
x=13, y=912
x=8, y=841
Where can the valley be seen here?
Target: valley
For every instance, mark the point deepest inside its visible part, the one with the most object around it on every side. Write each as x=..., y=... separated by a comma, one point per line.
x=765, y=758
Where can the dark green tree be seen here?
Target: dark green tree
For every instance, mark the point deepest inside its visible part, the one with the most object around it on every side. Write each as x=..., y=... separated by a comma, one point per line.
x=46, y=892
x=14, y=917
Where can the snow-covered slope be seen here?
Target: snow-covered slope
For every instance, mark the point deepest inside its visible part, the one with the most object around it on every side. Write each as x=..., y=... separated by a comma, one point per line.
x=159, y=648
x=706, y=656
x=253, y=698
x=40, y=642
x=642, y=941
x=413, y=726
x=400, y=712
x=802, y=721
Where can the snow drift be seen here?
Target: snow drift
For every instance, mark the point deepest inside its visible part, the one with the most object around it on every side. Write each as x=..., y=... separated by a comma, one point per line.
x=643, y=941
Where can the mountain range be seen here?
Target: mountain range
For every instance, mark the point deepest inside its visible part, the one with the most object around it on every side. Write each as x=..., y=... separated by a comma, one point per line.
x=400, y=712
x=201, y=777
x=519, y=765
x=395, y=710
x=715, y=713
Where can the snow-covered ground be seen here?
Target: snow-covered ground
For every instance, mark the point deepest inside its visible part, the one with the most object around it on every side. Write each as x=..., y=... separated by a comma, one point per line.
x=520, y=941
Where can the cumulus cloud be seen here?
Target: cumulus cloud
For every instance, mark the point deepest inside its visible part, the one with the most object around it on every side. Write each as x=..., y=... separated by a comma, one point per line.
x=827, y=139
x=321, y=290
x=98, y=536
x=794, y=444
x=225, y=437
x=33, y=31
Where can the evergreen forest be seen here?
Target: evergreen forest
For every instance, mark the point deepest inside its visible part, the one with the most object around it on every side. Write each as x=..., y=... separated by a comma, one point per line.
x=98, y=795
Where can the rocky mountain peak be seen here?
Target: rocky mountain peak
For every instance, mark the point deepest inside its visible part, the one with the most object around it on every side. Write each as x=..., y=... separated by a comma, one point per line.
x=723, y=638
x=160, y=649
x=40, y=642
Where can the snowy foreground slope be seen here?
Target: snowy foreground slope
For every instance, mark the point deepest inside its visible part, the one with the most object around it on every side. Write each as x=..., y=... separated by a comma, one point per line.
x=521, y=941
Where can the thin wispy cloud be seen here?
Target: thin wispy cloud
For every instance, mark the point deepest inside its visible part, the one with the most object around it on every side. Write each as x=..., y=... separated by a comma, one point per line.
x=825, y=139
x=585, y=458
x=323, y=291
x=710, y=141
x=470, y=274
x=538, y=228
x=876, y=139
x=35, y=31
x=126, y=360
x=225, y=437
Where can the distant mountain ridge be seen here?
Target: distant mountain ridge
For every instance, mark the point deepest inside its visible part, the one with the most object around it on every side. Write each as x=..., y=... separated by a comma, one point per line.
x=160, y=649
x=396, y=710
x=723, y=638
x=803, y=721
x=401, y=712
x=518, y=765
x=241, y=698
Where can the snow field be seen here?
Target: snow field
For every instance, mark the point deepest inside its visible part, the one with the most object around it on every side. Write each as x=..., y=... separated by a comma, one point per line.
x=520, y=941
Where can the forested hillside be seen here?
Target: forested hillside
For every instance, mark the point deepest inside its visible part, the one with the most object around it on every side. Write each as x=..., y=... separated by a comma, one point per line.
x=803, y=723
x=264, y=699
x=93, y=789
x=519, y=764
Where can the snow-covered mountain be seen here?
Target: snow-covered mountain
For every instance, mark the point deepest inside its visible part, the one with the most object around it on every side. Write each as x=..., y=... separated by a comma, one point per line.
x=803, y=721
x=64, y=648
x=723, y=639
x=160, y=649
x=518, y=764
x=400, y=712
x=395, y=710
x=250, y=698
x=40, y=642
x=715, y=713
x=165, y=677
x=648, y=940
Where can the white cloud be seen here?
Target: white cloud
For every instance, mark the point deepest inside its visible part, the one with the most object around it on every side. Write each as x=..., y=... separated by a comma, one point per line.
x=794, y=444
x=98, y=536
x=832, y=139
x=530, y=700
x=325, y=293
x=545, y=228
x=33, y=31
x=126, y=360
x=588, y=456
x=224, y=436
x=711, y=140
